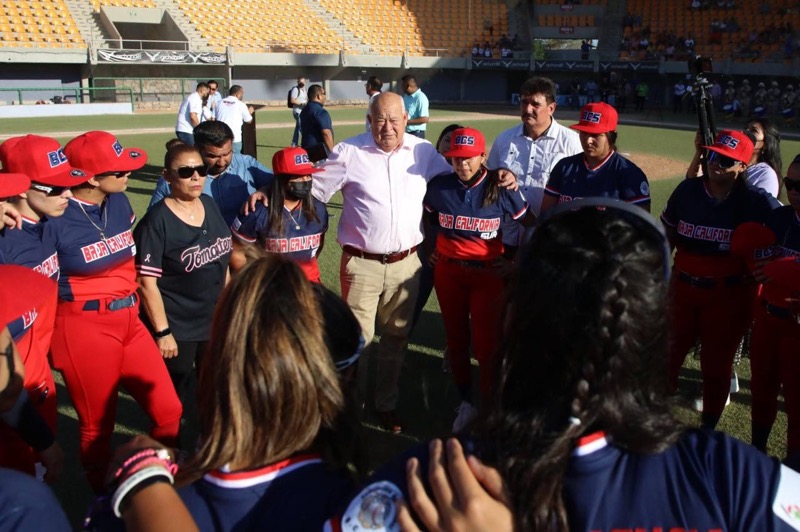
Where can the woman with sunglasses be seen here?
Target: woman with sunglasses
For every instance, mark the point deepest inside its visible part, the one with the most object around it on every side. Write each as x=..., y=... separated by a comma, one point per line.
x=44, y=197
x=765, y=167
x=182, y=251
x=99, y=341
x=712, y=292
x=774, y=361
x=295, y=222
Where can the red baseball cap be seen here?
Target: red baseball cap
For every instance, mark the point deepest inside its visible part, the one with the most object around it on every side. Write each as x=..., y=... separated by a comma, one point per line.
x=733, y=144
x=42, y=160
x=293, y=161
x=466, y=142
x=13, y=184
x=101, y=152
x=22, y=290
x=597, y=118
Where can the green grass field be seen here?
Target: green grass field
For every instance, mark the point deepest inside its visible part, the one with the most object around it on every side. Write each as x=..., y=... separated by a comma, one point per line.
x=428, y=395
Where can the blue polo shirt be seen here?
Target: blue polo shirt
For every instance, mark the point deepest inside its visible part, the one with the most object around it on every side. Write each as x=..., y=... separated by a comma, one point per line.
x=417, y=107
x=313, y=119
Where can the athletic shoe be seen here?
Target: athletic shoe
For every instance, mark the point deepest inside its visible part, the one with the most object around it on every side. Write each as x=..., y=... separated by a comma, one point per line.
x=734, y=383
x=465, y=413
x=698, y=403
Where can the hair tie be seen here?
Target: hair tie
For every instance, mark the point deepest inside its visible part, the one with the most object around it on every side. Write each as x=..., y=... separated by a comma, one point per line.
x=573, y=421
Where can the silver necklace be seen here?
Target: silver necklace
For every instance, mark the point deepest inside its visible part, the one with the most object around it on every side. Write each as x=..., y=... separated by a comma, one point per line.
x=191, y=212
x=296, y=225
x=103, y=216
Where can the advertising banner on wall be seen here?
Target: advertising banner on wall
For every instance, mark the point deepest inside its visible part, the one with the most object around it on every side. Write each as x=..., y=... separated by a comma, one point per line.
x=161, y=57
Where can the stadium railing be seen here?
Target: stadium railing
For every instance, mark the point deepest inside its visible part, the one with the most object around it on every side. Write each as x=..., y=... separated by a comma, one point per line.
x=77, y=93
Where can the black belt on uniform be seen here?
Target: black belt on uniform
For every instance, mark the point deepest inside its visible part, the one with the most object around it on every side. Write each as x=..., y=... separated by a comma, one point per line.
x=710, y=282
x=774, y=310
x=384, y=258
x=470, y=263
x=114, y=304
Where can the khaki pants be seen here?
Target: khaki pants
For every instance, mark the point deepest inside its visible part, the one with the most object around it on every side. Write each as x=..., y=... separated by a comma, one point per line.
x=385, y=293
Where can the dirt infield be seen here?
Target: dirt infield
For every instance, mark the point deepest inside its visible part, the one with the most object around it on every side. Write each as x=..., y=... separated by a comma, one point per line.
x=656, y=167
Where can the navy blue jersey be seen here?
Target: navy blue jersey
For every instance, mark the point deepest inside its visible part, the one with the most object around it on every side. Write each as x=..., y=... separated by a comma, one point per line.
x=27, y=504
x=616, y=177
x=705, y=225
x=95, y=249
x=301, y=236
x=468, y=230
x=30, y=248
x=313, y=119
x=707, y=482
x=785, y=223
x=190, y=264
x=299, y=493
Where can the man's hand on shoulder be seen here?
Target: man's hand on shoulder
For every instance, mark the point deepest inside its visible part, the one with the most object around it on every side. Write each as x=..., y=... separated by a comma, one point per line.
x=506, y=179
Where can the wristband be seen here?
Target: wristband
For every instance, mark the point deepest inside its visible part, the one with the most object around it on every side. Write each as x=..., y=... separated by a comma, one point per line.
x=141, y=460
x=162, y=333
x=124, y=489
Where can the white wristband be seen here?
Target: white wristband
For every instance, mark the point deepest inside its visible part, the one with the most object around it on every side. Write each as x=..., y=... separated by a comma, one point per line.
x=133, y=481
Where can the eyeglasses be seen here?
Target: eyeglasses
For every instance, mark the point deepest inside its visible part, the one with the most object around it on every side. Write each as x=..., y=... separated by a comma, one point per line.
x=212, y=89
x=187, y=172
x=49, y=191
x=723, y=161
x=791, y=184
x=118, y=175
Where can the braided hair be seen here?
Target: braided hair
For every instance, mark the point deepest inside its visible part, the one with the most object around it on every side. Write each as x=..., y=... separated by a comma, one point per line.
x=585, y=350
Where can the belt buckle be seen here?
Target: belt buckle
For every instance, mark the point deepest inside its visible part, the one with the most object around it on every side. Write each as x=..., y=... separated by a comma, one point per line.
x=385, y=258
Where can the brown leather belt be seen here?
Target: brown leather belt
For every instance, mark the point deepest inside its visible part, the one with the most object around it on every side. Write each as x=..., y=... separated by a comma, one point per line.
x=385, y=258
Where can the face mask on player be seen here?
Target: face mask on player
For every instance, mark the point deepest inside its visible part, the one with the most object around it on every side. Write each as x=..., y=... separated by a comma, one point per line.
x=299, y=189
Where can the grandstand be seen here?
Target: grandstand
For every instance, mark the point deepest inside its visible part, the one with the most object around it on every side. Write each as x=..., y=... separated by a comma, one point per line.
x=38, y=24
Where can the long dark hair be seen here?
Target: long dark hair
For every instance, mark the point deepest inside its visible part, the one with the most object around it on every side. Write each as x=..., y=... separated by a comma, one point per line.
x=771, y=151
x=585, y=350
x=277, y=195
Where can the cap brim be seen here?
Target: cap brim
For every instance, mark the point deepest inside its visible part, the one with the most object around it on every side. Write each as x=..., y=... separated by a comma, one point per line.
x=463, y=154
x=67, y=178
x=306, y=171
x=130, y=160
x=13, y=184
x=21, y=290
x=590, y=129
x=726, y=153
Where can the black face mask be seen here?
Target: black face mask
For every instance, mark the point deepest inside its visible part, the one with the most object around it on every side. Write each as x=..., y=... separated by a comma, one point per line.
x=299, y=189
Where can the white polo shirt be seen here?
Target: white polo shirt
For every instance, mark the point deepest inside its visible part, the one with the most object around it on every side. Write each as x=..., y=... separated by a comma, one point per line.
x=233, y=112
x=192, y=104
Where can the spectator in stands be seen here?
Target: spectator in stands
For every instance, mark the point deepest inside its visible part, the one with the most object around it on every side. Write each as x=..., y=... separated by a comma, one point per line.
x=689, y=44
x=190, y=114
x=586, y=46
x=591, y=90
x=416, y=103
x=233, y=111
x=232, y=177
x=211, y=101
x=298, y=97
x=487, y=52
x=678, y=90
x=474, y=52
x=642, y=91
x=373, y=86
x=505, y=52
x=479, y=50
x=316, y=125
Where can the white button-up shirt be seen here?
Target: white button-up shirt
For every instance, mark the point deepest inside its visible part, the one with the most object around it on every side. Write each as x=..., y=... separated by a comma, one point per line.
x=382, y=192
x=533, y=160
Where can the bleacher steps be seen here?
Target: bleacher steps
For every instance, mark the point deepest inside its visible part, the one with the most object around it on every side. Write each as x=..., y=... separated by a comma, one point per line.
x=351, y=41
x=88, y=23
x=196, y=40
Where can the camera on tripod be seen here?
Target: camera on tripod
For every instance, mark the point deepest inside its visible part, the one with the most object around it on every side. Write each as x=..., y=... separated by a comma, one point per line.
x=700, y=68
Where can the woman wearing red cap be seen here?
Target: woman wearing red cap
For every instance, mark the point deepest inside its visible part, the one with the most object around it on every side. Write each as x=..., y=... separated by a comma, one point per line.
x=711, y=290
x=44, y=197
x=99, y=340
x=469, y=273
x=298, y=229
x=183, y=246
x=600, y=171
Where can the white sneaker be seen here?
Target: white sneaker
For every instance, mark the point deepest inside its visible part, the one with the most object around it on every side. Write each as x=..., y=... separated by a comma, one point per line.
x=698, y=403
x=734, y=383
x=465, y=413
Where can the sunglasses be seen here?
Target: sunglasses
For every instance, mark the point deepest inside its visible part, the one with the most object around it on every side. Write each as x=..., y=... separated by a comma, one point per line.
x=791, y=184
x=187, y=172
x=49, y=191
x=722, y=161
x=118, y=175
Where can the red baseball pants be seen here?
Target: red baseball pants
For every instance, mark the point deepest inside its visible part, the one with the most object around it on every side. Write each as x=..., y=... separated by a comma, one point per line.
x=97, y=351
x=464, y=292
x=775, y=360
x=719, y=316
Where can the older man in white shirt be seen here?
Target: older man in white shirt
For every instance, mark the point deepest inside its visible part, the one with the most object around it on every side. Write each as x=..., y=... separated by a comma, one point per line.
x=531, y=149
x=383, y=176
